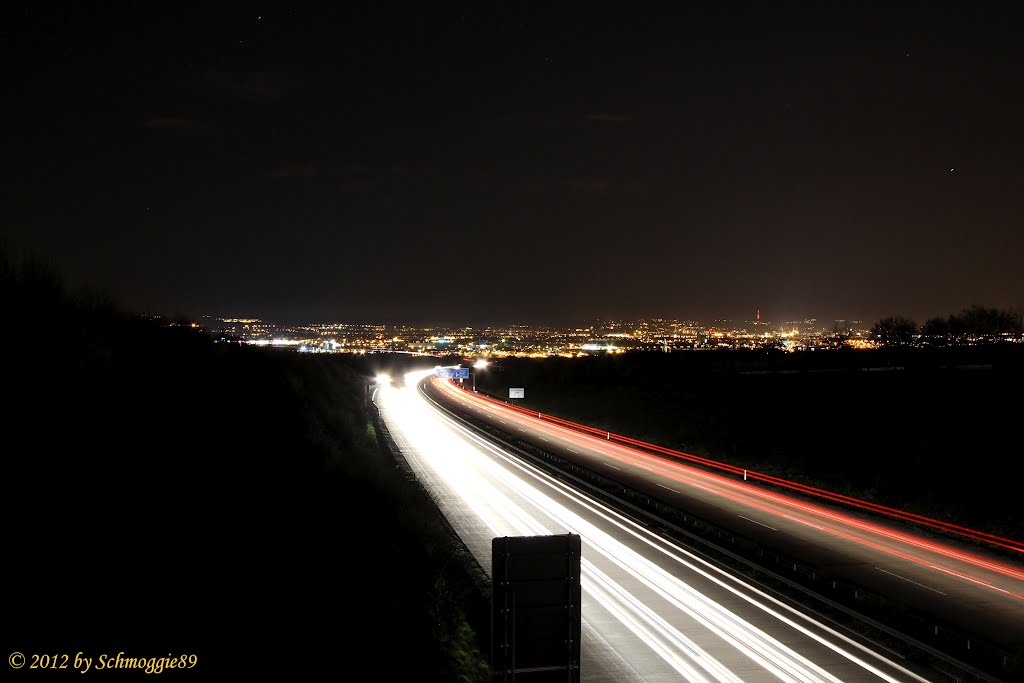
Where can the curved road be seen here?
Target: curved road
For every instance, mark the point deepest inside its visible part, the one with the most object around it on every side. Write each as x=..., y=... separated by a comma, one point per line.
x=652, y=610
x=982, y=593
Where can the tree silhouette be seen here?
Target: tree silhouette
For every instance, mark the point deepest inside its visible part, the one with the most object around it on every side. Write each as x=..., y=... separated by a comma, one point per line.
x=982, y=321
x=973, y=323
x=938, y=327
x=895, y=330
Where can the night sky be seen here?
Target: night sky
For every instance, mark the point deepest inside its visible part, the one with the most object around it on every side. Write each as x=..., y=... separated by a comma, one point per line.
x=492, y=162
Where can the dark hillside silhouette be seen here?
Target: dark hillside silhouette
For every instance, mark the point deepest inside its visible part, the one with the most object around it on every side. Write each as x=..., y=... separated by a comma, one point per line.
x=165, y=493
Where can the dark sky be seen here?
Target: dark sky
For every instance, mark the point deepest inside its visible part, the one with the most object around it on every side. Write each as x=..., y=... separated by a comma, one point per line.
x=520, y=161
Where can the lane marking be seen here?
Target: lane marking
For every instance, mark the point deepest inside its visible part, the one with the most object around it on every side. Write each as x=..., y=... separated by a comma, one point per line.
x=911, y=581
x=668, y=489
x=757, y=522
x=614, y=467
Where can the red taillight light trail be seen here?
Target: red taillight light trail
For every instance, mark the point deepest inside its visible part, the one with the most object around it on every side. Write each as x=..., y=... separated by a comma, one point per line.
x=766, y=500
x=656, y=593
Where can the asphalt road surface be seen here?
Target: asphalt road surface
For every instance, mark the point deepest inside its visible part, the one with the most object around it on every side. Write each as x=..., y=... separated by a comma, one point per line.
x=652, y=610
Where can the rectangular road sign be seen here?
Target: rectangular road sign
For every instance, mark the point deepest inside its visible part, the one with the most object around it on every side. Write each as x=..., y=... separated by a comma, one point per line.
x=452, y=373
x=516, y=393
x=536, y=616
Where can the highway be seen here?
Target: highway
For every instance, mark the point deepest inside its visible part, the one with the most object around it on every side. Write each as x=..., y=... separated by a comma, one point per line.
x=981, y=594
x=652, y=610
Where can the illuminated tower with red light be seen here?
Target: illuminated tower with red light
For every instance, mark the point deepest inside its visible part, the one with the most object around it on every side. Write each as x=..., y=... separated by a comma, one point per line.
x=757, y=320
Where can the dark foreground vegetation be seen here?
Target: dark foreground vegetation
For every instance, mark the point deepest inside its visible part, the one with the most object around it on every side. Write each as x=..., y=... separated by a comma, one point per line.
x=164, y=494
x=933, y=431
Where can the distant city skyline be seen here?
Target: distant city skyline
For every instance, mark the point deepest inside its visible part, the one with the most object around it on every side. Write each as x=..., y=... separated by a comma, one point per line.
x=752, y=319
x=594, y=337
x=764, y=320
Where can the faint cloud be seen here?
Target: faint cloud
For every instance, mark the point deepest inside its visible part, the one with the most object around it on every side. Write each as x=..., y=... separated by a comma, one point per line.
x=590, y=184
x=171, y=123
x=400, y=171
x=359, y=185
x=295, y=171
x=609, y=118
x=252, y=86
x=527, y=118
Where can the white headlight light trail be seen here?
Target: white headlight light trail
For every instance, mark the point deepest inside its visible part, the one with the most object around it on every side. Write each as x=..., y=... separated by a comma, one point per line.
x=452, y=452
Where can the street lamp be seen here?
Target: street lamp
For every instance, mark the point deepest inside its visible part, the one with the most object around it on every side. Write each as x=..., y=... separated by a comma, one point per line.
x=479, y=365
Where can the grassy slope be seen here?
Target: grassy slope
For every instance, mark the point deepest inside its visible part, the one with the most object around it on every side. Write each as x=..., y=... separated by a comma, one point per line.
x=166, y=494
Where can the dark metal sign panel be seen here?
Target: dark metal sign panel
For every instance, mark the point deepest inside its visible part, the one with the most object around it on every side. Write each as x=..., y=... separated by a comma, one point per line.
x=535, y=608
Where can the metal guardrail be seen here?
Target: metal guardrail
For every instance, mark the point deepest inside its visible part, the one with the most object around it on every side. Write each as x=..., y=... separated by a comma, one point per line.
x=649, y=511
